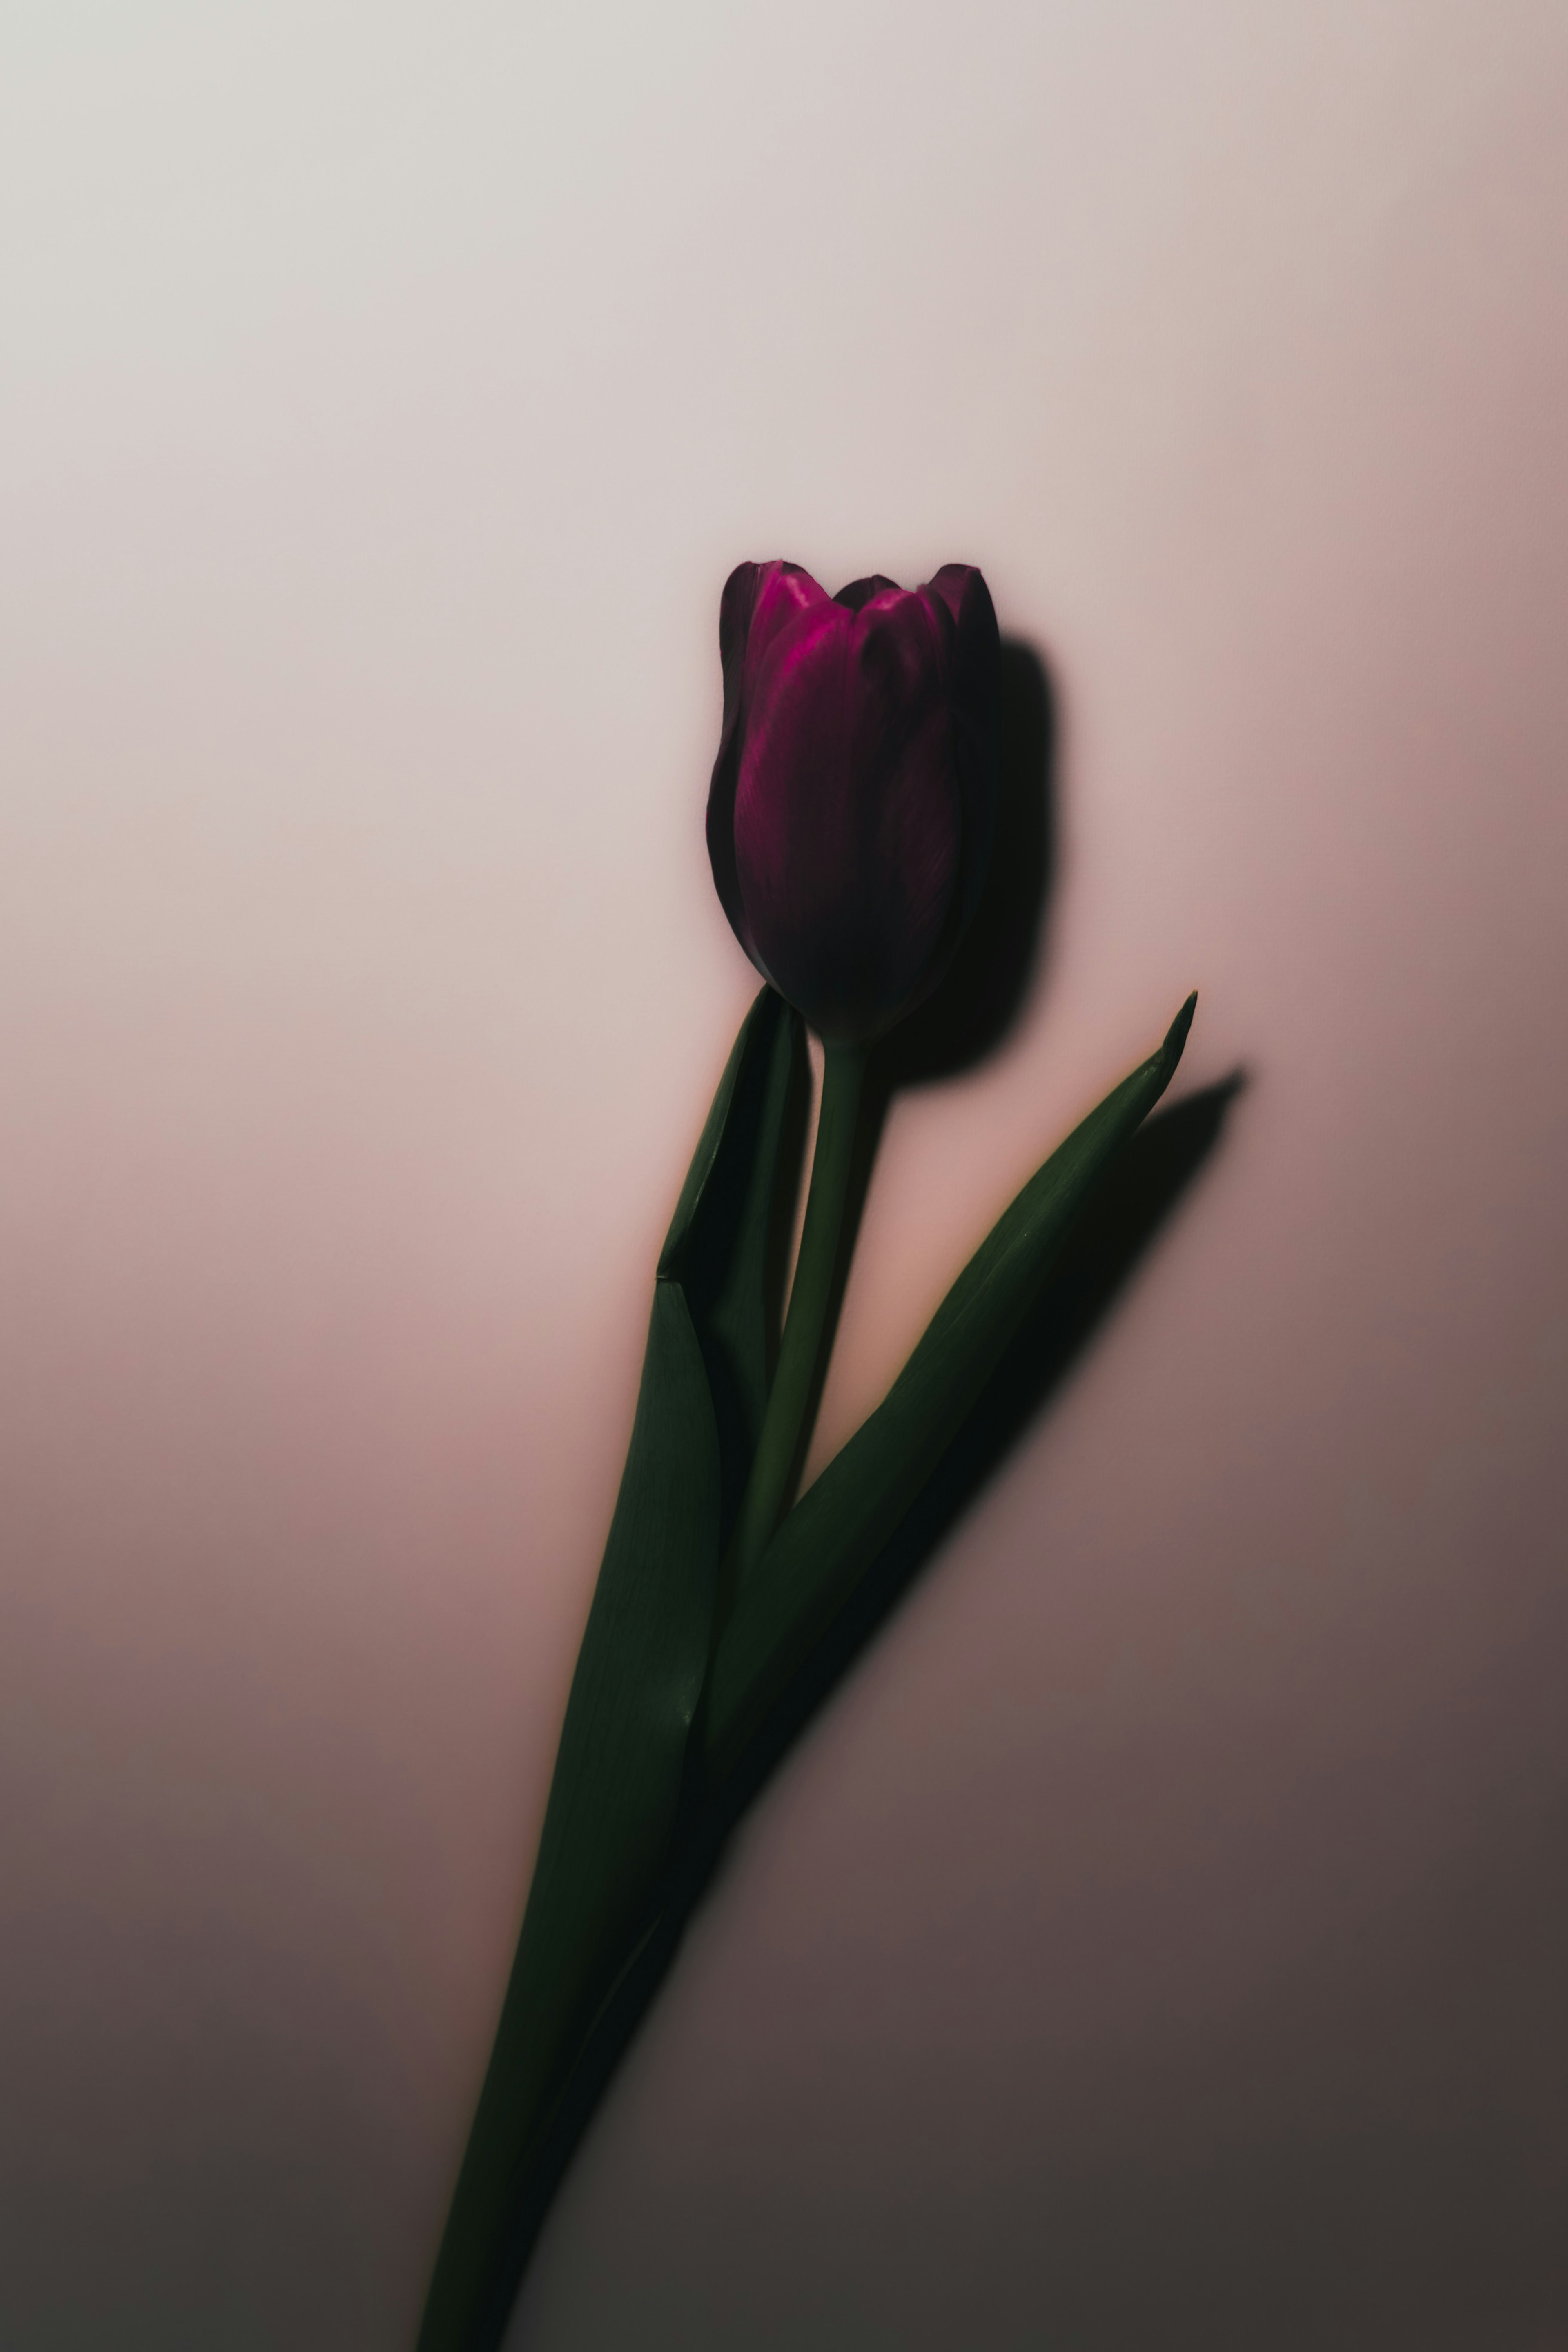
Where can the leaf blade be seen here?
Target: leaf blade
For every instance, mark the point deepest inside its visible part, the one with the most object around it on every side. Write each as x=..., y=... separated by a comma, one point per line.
x=836, y=1528
x=612, y=1800
x=616, y=1786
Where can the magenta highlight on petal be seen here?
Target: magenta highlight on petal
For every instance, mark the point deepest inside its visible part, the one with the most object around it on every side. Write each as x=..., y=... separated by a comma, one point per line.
x=854, y=797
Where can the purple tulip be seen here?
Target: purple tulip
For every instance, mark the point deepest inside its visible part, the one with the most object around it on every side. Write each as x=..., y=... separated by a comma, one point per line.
x=851, y=815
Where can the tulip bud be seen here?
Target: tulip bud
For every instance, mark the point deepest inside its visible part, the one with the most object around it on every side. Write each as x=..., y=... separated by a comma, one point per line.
x=853, y=801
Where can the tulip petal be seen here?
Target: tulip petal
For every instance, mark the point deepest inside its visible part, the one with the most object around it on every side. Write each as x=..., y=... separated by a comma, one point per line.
x=758, y=600
x=860, y=592
x=976, y=702
x=847, y=816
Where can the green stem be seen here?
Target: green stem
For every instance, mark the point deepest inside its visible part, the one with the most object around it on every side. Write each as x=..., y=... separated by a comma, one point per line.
x=776, y=1462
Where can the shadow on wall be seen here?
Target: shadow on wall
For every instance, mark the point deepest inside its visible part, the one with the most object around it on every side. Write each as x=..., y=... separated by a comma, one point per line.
x=1370, y=2158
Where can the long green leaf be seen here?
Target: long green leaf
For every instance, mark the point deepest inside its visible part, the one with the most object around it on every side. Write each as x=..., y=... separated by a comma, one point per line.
x=836, y=1530
x=615, y=1791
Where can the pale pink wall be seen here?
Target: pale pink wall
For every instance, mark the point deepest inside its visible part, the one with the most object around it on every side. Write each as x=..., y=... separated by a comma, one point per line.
x=1163, y=1938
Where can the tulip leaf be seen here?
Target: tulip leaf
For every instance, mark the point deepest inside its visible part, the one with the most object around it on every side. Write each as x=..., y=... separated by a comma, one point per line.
x=615, y=1792
x=835, y=1532
x=726, y=1243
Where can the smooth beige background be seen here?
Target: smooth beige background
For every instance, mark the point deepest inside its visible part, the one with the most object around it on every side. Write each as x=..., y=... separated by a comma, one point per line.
x=1162, y=1939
